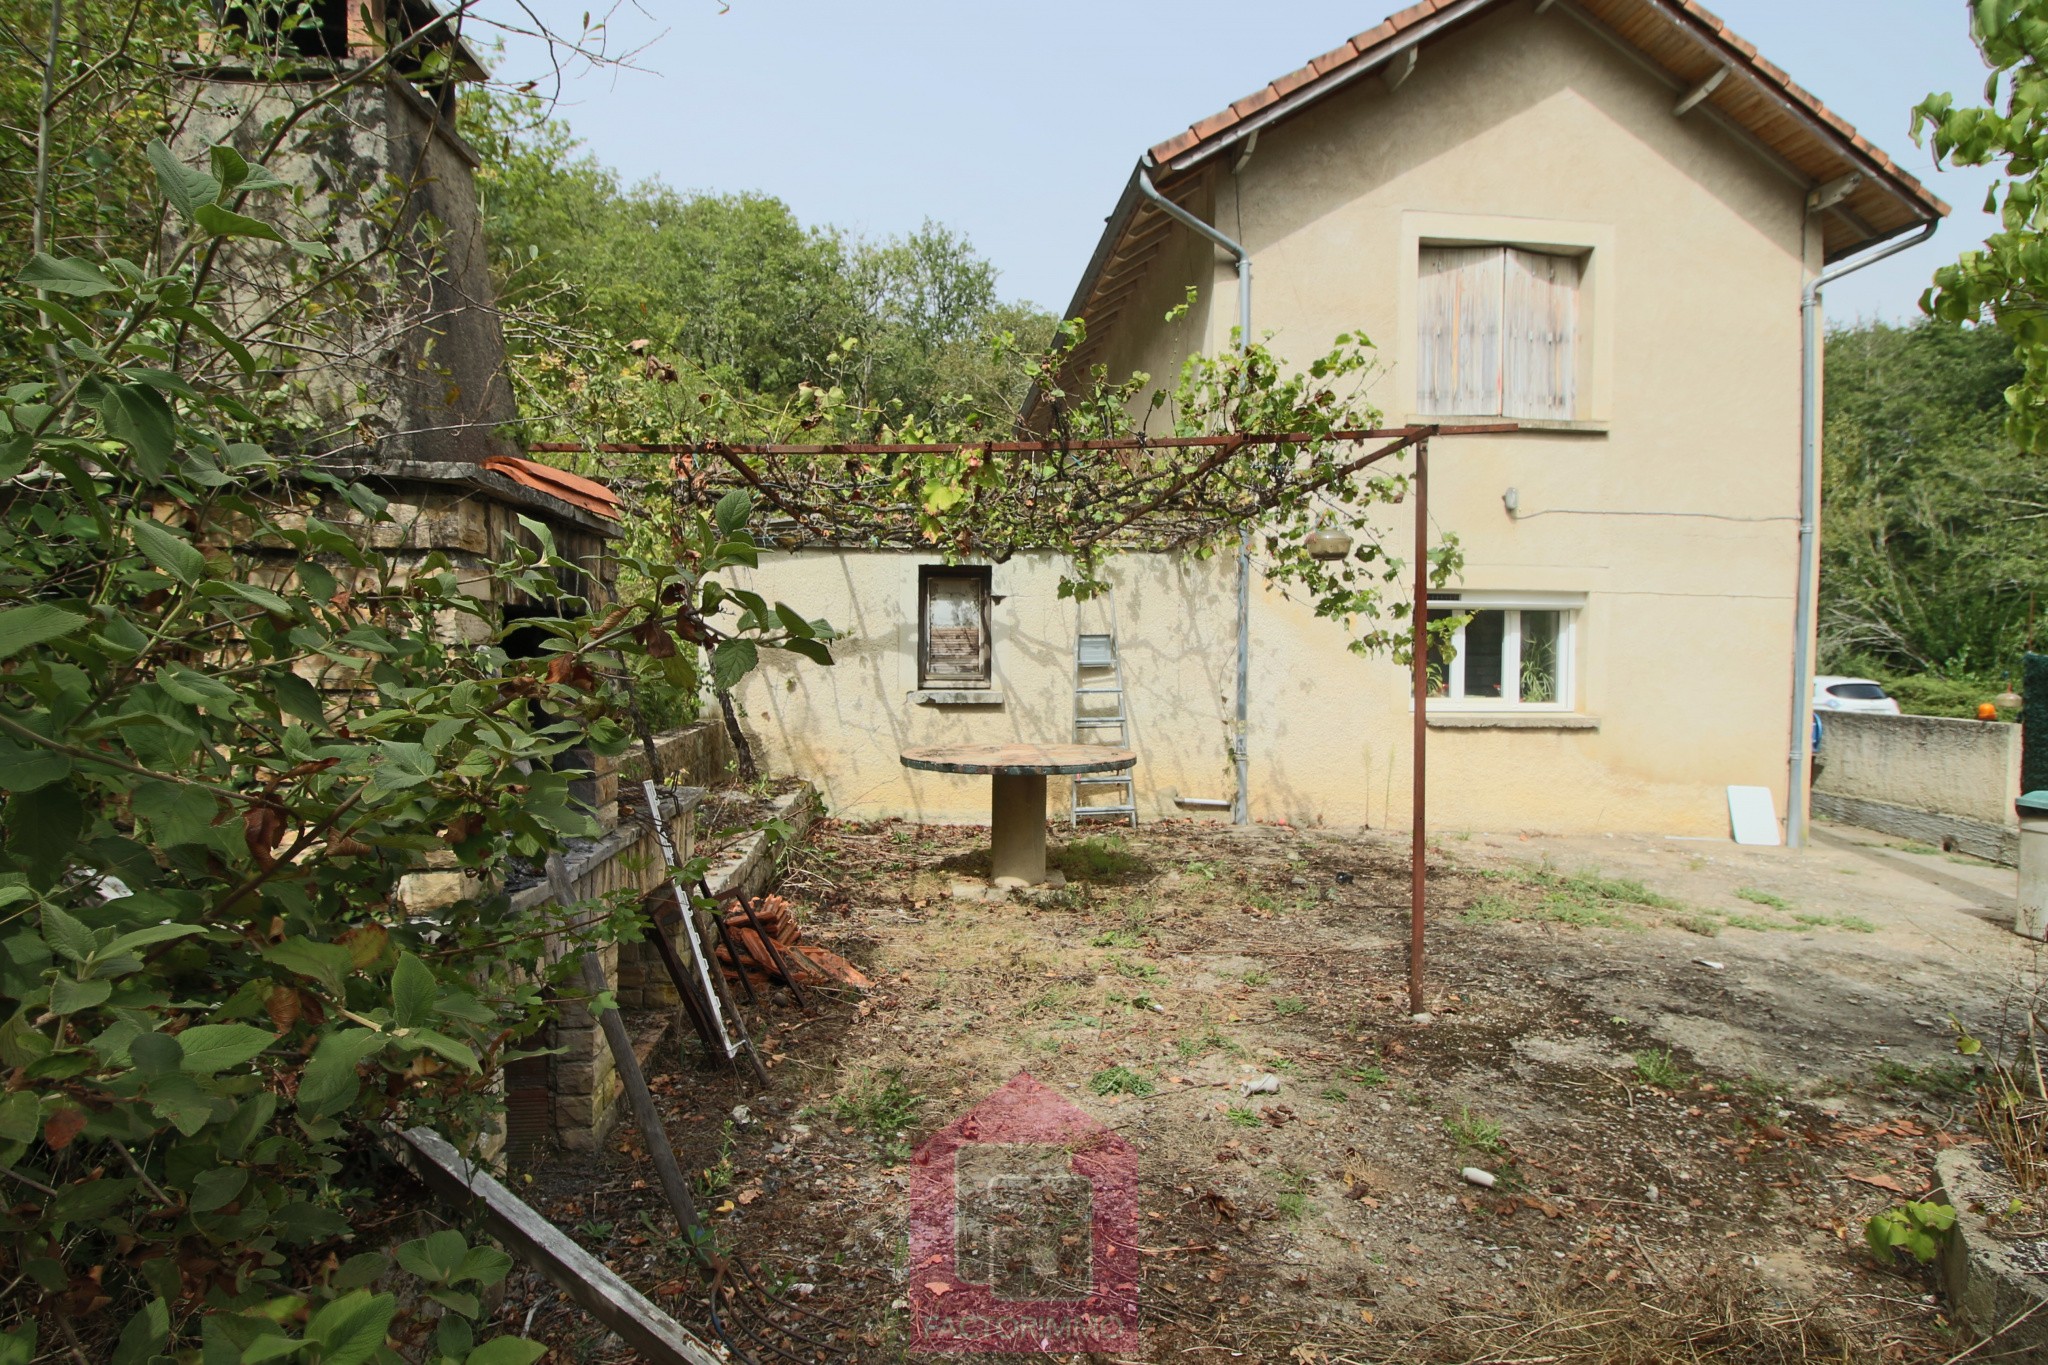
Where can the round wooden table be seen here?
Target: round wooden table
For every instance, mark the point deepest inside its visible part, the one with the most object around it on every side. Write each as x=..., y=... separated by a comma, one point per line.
x=1017, y=803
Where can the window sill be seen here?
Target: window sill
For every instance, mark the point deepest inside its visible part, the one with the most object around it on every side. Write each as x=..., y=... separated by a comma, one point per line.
x=1576, y=426
x=1511, y=720
x=961, y=696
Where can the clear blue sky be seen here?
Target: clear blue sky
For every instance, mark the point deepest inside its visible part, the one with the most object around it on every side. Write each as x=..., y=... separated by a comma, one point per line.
x=1017, y=123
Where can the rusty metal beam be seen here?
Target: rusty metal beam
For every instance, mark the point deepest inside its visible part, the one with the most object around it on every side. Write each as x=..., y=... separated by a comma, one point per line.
x=1418, y=865
x=1276, y=438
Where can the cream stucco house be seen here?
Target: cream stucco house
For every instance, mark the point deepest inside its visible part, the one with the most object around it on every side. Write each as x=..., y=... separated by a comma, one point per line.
x=1599, y=218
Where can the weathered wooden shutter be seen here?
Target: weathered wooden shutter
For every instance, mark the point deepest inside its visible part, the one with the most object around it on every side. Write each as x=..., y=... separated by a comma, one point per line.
x=1458, y=311
x=1540, y=335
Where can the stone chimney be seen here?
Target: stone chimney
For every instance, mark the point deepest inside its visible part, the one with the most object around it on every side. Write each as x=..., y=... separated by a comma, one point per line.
x=403, y=360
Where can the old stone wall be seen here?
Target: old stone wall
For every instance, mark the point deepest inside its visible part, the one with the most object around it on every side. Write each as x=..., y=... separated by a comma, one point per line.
x=698, y=755
x=412, y=351
x=578, y=1088
x=1947, y=782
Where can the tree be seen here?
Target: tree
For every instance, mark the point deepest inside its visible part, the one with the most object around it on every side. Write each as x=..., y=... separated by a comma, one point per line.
x=732, y=288
x=227, y=728
x=1937, y=525
x=2008, y=277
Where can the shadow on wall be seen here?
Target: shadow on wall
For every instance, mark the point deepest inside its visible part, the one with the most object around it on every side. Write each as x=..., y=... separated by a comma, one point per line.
x=868, y=648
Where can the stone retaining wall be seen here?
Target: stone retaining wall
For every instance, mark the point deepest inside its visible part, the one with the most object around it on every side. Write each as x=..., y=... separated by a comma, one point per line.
x=698, y=755
x=1946, y=782
x=575, y=1092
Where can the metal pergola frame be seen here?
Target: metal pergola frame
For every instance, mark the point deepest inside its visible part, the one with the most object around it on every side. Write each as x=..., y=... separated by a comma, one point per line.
x=1415, y=437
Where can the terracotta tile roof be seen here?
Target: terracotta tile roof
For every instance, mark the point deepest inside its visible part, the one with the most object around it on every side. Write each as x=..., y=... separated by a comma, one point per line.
x=573, y=489
x=1683, y=39
x=1364, y=48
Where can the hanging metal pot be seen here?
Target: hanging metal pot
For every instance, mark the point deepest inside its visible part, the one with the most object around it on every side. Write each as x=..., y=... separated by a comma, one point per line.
x=1327, y=543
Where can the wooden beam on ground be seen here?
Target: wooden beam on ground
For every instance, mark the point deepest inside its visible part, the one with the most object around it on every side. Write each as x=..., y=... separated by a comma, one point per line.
x=658, y=1337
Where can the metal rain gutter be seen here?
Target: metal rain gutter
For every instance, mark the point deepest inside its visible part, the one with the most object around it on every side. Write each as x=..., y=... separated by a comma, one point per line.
x=1241, y=808
x=1812, y=349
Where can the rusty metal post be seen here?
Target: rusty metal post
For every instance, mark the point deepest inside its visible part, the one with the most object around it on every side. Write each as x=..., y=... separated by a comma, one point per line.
x=1418, y=869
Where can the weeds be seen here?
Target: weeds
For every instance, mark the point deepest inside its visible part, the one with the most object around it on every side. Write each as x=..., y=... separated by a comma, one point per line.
x=1141, y=971
x=1760, y=1087
x=1586, y=899
x=881, y=1106
x=1335, y=1093
x=1114, y=938
x=1292, y=1201
x=1244, y=1116
x=1939, y=1082
x=1474, y=1132
x=1257, y=976
x=1656, y=1069
x=1371, y=1077
x=1492, y=908
x=1098, y=858
x=1051, y=1000
x=1756, y=897
x=1120, y=1080
x=1591, y=885
x=1286, y=1005
x=716, y=1179
x=1209, y=1040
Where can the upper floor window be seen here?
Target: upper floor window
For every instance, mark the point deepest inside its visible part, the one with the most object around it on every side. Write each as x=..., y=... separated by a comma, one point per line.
x=1498, y=332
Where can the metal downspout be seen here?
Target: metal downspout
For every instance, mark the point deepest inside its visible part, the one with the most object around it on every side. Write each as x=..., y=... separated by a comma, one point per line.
x=1812, y=346
x=1241, y=808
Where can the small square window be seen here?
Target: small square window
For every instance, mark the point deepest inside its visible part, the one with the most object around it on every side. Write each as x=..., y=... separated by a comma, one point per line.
x=953, y=627
x=1508, y=653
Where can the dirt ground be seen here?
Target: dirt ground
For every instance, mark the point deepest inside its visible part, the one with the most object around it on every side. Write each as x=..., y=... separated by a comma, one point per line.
x=1692, y=1071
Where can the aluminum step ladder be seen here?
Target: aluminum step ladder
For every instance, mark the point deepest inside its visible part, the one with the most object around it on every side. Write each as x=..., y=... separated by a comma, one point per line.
x=1100, y=717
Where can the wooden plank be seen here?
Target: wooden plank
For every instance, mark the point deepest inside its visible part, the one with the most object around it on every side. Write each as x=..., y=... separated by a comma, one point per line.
x=590, y=1282
x=1540, y=334
x=1458, y=319
x=627, y=1063
x=1136, y=265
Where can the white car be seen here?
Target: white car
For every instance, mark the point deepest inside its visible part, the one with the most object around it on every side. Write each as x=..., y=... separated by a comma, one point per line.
x=1831, y=693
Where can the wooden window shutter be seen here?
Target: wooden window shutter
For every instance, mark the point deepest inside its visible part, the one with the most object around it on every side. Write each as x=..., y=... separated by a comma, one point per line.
x=1540, y=336
x=1458, y=312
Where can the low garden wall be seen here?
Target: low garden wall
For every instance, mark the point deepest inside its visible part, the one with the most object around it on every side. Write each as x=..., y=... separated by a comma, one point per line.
x=1946, y=782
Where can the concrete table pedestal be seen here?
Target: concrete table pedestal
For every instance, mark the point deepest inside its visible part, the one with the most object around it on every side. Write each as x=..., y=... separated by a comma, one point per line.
x=1017, y=799
x=1017, y=828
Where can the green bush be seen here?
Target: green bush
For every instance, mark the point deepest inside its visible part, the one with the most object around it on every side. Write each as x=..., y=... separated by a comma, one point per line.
x=1928, y=694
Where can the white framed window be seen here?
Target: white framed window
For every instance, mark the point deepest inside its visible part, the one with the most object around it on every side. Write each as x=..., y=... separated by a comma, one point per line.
x=1498, y=332
x=1513, y=652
